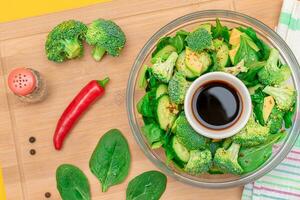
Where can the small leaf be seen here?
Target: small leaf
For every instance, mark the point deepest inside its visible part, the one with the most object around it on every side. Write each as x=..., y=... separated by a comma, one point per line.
x=147, y=186
x=111, y=159
x=72, y=183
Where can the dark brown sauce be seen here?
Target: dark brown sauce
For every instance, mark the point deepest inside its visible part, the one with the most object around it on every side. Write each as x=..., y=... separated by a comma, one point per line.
x=217, y=105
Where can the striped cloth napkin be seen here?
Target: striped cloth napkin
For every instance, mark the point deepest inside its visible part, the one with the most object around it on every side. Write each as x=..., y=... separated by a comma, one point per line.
x=283, y=183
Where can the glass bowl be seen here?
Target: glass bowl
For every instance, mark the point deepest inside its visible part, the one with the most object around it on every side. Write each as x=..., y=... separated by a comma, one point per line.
x=134, y=93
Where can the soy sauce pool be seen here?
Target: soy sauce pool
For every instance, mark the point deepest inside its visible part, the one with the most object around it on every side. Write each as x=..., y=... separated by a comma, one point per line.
x=217, y=105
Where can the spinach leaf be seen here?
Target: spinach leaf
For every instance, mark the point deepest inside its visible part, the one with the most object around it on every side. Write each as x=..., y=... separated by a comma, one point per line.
x=147, y=186
x=72, y=183
x=264, y=48
x=258, y=103
x=252, y=158
x=215, y=66
x=250, y=78
x=288, y=117
x=220, y=31
x=245, y=52
x=153, y=134
x=146, y=104
x=148, y=120
x=178, y=41
x=170, y=154
x=161, y=44
x=110, y=160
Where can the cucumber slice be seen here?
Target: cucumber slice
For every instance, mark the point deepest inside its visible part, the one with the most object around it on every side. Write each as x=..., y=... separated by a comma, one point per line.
x=166, y=112
x=181, y=66
x=164, y=53
x=181, y=152
x=197, y=63
x=206, y=26
x=161, y=89
x=223, y=55
x=142, y=81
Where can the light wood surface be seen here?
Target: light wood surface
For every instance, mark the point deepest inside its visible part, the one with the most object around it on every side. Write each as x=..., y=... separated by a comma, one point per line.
x=22, y=44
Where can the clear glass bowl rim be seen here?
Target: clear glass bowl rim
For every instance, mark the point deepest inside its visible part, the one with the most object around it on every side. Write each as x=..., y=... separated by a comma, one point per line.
x=272, y=36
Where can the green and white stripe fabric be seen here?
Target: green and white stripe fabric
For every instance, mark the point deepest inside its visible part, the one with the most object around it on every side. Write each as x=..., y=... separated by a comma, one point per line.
x=283, y=183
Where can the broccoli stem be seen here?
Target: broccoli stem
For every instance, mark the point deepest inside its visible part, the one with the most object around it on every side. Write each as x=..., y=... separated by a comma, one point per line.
x=72, y=48
x=234, y=150
x=98, y=53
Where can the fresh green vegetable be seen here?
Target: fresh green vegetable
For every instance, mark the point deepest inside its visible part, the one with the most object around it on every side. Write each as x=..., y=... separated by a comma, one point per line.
x=163, y=54
x=252, y=134
x=166, y=112
x=105, y=36
x=235, y=70
x=252, y=158
x=196, y=62
x=213, y=146
x=271, y=74
x=199, y=162
x=285, y=96
x=288, y=117
x=222, y=53
x=148, y=185
x=245, y=52
x=72, y=183
x=177, y=88
x=275, y=120
x=146, y=104
x=264, y=49
x=227, y=159
x=250, y=78
x=65, y=41
x=220, y=31
x=153, y=134
x=110, y=160
x=142, y=80
x=161, y=90
x=206, y=26
x=199, y=40
x=181, y=151
x=163, y=71
x=215, y=48
x=187, y=136
x=182, y=68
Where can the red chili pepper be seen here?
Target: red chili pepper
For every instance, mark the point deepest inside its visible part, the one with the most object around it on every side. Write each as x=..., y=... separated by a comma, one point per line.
x=93, y=90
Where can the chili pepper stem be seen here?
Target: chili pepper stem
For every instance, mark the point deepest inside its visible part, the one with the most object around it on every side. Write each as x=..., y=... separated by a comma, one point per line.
x=103, y=82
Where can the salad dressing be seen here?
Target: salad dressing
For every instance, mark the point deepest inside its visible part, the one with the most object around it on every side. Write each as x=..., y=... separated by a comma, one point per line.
x=217, y=105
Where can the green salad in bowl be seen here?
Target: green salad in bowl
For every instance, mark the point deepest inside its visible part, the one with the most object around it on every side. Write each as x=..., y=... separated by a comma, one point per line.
x=180, y=64
x=180, y=59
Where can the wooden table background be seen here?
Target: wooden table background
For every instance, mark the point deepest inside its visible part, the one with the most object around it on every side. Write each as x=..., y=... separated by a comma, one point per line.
x=22, y=44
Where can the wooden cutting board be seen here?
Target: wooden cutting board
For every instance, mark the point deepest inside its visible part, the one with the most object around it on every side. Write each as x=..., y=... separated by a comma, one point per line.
x=22, y=44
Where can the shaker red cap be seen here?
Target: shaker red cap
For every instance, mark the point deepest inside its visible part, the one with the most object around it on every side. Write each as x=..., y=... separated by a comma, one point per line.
x=21, y=81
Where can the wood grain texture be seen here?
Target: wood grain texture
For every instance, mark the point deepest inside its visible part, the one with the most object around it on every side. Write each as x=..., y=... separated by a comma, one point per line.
x=22, y=44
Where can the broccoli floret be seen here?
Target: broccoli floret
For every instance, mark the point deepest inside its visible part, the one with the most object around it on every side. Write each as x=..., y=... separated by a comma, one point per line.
x=177, y=88
x=238, y=68
x=227, y=159
x=105, y=36
x=275, y=120
x=252, y=134
x=285, y=96
x=65, y=41
x=199, y=40
x=199, y=162
x=187, y=136
x=163, y=70
x=271, y=74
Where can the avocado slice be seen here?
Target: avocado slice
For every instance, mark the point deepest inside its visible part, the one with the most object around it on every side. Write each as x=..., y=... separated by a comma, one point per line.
x=268, y=106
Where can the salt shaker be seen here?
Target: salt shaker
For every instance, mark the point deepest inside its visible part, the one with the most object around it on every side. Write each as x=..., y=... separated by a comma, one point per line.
x=27, y=84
